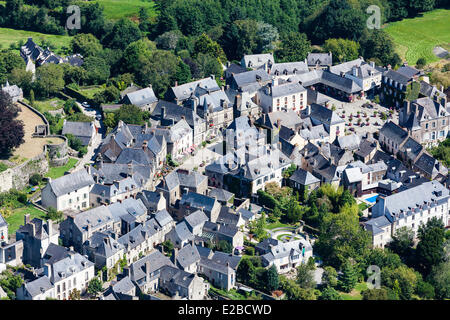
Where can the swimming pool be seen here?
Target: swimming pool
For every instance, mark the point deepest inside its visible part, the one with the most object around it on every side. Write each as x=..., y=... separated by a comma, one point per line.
x=372, y=199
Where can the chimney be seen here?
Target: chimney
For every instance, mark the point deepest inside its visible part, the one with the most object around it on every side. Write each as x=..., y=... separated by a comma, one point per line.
x=26, y=219
x=163, y=113
x=144, y=145
x=176, y=83
x=50, y=227
x=275, y=82
x=279, y=123
x=147, y=270
x=183, y=117
x=175, y=255
x=213, y=77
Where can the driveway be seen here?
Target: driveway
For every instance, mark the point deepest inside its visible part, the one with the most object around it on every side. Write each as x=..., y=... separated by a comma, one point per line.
x=91, y=154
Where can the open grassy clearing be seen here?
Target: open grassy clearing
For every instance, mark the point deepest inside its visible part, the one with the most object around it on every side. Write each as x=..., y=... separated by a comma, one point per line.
x=416, y=38
x=13, y=36
x=116, y=9
x=355, y=294
x=56, y=172
x=15, y=220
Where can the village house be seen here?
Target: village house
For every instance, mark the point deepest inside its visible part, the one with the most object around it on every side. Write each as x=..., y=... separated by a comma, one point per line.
x=411, y=208
x=68, y=192
x=85, y=131
x=280, y=95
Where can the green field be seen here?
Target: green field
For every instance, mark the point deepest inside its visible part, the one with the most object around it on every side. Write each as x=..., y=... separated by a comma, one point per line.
x=356, y=292
x=49, y=104
x=416, y=38
x=56, y=172
x=12, y=36
x=116, y=9
x=15, y=220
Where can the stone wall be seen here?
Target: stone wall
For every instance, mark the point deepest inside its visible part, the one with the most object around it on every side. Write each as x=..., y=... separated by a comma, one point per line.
x=18, y=177
x=58, y=153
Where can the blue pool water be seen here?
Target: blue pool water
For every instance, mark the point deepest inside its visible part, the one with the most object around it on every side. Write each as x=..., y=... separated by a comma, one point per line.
x=372, y=199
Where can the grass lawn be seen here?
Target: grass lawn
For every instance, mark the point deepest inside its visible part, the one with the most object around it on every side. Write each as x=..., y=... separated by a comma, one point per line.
x=56, y=172
x=274, y=225
x=89, y=92
x=356, y=292
x=416, y=38
x=15, y=220
x=12, y=36
x=116, y=9
x=49, y=104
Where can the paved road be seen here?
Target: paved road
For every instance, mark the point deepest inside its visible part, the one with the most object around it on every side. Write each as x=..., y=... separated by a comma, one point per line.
x=91, y=154
x=207, y=154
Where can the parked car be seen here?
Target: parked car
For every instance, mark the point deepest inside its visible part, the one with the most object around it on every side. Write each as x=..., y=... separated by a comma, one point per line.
x=85, y=104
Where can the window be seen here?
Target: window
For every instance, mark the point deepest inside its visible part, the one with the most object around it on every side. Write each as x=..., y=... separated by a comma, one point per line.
x=86, y=276
x=426, y=125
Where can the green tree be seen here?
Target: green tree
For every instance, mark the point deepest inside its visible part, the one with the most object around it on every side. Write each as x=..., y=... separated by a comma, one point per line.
x=49, y=79
x=329, y=293
x=95, y=286
x=54, y=215
x=440, y=279
x=294, y=47
x=305, y=276
x=405, y=277
x=97, y=69
x=378, y=45
x=85, y=44
x=205, y=45
x=75, y=294
x=375, y=294
x=271, y=279
x=129, y=114
x=430, y=249
x=342, y=49
x=425, y=290
x=122, y=34
x=349, y=277
x=329, y=277
x=9, y=61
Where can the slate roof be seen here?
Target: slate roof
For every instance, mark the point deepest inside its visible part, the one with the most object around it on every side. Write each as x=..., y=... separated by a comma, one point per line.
x=365, y=148
x=54, y=253
x=324, y=115
x=196, y=218
x=346, y=66
x=141, y=97
x=375, y=225
x=249, y=77
x=303, y=177
x=71, y=182
x=349, y=142
x=321, y=59
x=182, y=92
x=128, y=210
x=398, y=77
x=188, y=255
x=163, y=217
x=234, y=68
x=156, y=261
x=38, y=286
x=125, y=285
x=220, y=194
x=182, y=231
x=104, y=244
x=430, y=165
x=176, y=112
x=94, y=217
x=393, y=132
x=69, y=266
x=408, y=71
x=173, y=278
x=289, y=68
x=410, y=200
x=2, y=221
x=197, y=200
x=257, y=60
